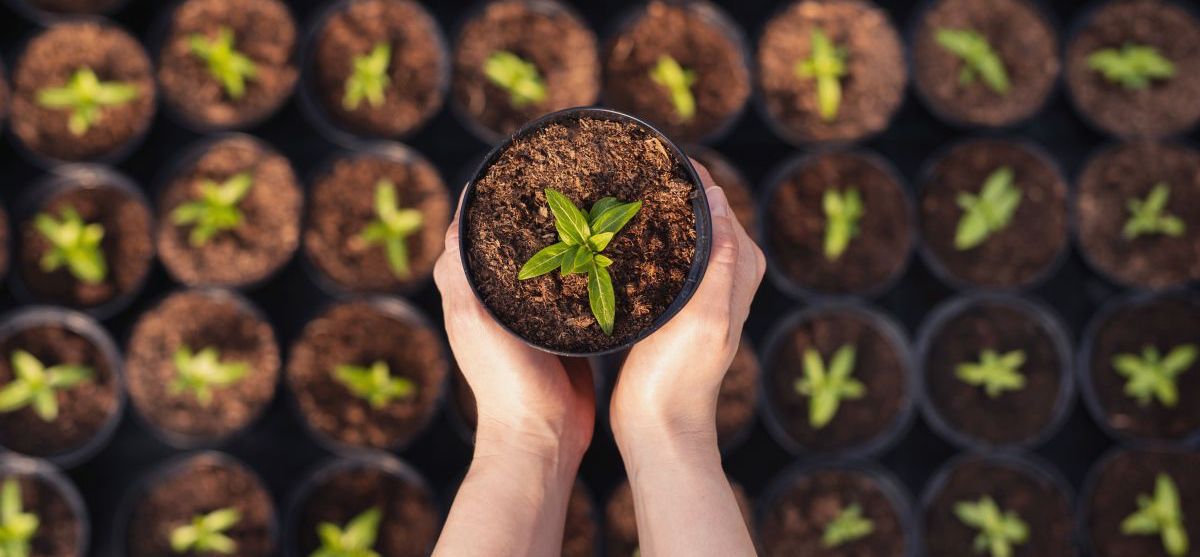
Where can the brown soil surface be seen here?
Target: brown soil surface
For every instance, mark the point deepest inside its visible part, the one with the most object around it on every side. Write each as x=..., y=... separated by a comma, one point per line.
x=58, y=528
x=796, y=521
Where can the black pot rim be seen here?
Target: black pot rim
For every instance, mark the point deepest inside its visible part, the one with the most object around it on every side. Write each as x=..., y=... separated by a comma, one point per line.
x=47, y=18
x=23, y=466
x=700, y=209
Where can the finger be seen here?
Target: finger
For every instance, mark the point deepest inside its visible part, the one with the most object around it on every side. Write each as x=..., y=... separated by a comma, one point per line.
x=716, y=288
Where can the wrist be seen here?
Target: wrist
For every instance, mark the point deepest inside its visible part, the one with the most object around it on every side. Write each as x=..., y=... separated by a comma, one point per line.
x=659, y=438
x=533, y=443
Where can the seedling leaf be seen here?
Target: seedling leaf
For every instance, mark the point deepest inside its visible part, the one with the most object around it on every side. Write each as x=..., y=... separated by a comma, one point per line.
x=1151, y=376
x=375, y=384
x=357, y=539
x=1133, y=66
x=977, y=56
x=999, y=531
x=989, y=212
x=206, y=533
x=601, y=297
x=544, y=261
x=225, y=64
x=73, y=243
x=37, y=386
x=1148, y=216
x=994, y=372
x=826, y=387
x=370, y=78
x=850, y=525
x=827, y=65
x=17, y=527
x=1161, y=514
x=678, y=82
x=392, y=227
x=216, y=210
x=843, y=209
x=517, y=76
x=201, y=372
x=85, y=96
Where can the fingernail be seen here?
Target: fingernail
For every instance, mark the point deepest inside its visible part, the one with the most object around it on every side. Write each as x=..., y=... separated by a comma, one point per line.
x=717, y=202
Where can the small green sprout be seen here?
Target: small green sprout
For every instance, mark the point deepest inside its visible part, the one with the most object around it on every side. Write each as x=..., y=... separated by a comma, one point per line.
x=225, y=64
x=513, y=74
x=582, y=238
x=995, y=372
x=978, y=58
x=1132, y=66
x=206, y=533
x=1149, y=216
x=827, y=65
x=375, y=383
x=37, y=385
x=827, y=387
x=678, y=82
x=201, y=372
x=85, y=95
x=357, y=539
x=73, y=243
x=1160, y=514
x=216, y=210
x=1152, y=376
x=843, y=209
x=850, y=525
x=370, y=78
x=392, y=227
x=17, y=527
x=989, y=212
x=998, y=531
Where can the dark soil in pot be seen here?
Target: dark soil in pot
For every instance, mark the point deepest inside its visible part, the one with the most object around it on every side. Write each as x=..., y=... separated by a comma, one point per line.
x=269, y=229
x=1163, y=323
x=1015, y=485
x=735, y=185
x=1117, y=176
x=360, y=333
x=797, y=224
x=343, y=205
x=417, y=66
x=544, y=33
x=701, y=39
x=263, y=31
x=873, y=84
x=1019, y=35
x=50, y=61
x=1116, y=485
x=959, y=334
x=196, y=486
x=98, y=197
x=1019, y=253
x=199, y=320
x=585, y=158
x=620, y=522
x=62, y=519
x=1164, y=106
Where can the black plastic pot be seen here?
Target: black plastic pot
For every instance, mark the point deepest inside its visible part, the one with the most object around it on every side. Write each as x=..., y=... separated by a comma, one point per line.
x=699, y=208
x=44, y=17
x=39, y=470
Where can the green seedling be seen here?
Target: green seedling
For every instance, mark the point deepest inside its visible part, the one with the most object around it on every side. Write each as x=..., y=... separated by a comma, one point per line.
x=1149, y=216
x=375, y=384
x=86, y=96
x=36, y=385
x=17, y=527
x=206, y=533
x=825, y=387
x=201, y=372
x=843, y=209
x=849, y=525
x=216, y=210
x=357, y=539
x=370, y=78
x=999, y=531
x=1132, y=66
x=827, y=65
x=1152, y=376
x=517, y=76
x=678, y=82
x=995, y=372
x=978, y=57
x=988, y=212
x=1160, y=514
x=225, y=64
x=392, y=227
x=582, y=237
x=74, y=244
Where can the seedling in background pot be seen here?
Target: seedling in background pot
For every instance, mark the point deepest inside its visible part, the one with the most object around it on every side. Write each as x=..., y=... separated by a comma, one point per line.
x=582, y=238
x=1133, y=66
x=73, y=243
x=843, y=209
x=999, y=531
x=995, y=372
x=827, y=65
x=1152, y=376
x=86, y=96
x=357, y=539
x=849, y=525
x=370, y=78
x=216, y=210
x=1149, y=216
x=1161, y=515
x=517, y=76
x=826, y=387
x=37, y=385
x=988, y=212
x=392, y=227
x=678, y=82
x=375, y=384
x=979, y=60
x=225, y=64
x=201, y=372
x=17, y=527
x=206, y=533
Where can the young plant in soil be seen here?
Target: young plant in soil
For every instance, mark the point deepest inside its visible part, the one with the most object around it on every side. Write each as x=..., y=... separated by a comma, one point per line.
x=17, y=527
x=979, y=60
x=678, y=82
x=1133, y=66
x=86, y=98
x=827, y=66
x=843, y=209
x=989, y=212
x=202, y=372
x=1159, y=514
x=74, y=246
x=849, y=526
x=375, y=383
x=370, y=80
x=392, y=227
x=1000, y=531
x=1142, y=502
x=230, y=68
x=826, y=387
x=1149, y=216
x=37, y=385
x=206, y=533
x=995, y=373
x=215, y=211
x=1153, y=376
x=517, y=76
x=356, y=539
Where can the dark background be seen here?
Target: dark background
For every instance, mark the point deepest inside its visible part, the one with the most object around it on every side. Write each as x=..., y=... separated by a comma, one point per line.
x=282, y=452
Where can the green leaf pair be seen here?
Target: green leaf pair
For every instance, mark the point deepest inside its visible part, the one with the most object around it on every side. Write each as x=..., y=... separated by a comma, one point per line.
x=978, y=57
x=1160, y=514
x=201, y=372
x=216, y=210
x=1133, y=66
x=843, y=210
x=995, y=372
x=999, y=531
x=1149, y=216
x=826, y=388
x=849, y=525
x=357, y=539
x=1152, y=376
x=827, y=65
x=37, y=385
x=225, y=64
x=678, y=82
x=392, y=227
x=582, y=236
x=206, y=533
x=370, y=78
x=85, y=96
x=989, y=212
x=375, y=384
x=74, y=244
x=17, y=527
x=517, y=76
